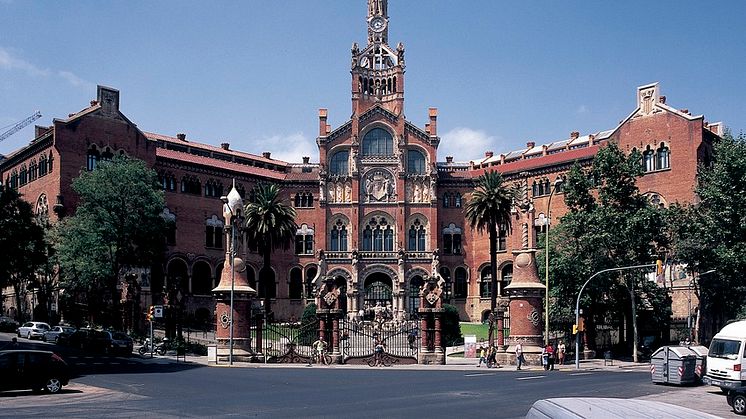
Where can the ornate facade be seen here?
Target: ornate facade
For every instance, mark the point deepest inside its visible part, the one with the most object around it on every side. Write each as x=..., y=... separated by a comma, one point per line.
x=379, y=212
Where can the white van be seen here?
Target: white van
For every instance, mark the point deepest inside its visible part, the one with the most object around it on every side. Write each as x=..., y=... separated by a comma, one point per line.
x=726, y=360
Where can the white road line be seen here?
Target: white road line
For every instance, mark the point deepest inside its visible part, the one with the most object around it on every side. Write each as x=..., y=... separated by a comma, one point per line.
x=531, y=378
x=479, y=374
x=581, y=373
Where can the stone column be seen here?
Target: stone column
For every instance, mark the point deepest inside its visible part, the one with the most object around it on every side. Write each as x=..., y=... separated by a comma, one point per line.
x=425, y=340
x=526, y=293
x=335, y=335
x=438, y=334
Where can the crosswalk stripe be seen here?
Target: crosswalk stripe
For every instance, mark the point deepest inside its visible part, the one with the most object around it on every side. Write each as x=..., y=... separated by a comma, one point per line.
x=532, y=377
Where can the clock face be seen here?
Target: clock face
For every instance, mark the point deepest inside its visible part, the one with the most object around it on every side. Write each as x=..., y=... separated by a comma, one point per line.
x=377, y=24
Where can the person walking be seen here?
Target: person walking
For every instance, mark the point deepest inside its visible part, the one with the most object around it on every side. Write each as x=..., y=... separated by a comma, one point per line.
x=550, y=356
x=518, y=355
x=544, y=358
x=482, y=358
x=561, y=353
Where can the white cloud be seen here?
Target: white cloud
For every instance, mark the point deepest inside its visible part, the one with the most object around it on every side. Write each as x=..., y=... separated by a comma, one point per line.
x=465, y=144
x=10, y=62
x=290, y=148
x=583, y=109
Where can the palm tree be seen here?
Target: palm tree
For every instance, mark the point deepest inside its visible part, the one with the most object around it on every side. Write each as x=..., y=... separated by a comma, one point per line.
x=488, y=208
x=270, y=224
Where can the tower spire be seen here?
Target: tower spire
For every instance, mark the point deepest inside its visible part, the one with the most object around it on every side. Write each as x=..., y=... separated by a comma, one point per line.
x=378, y=21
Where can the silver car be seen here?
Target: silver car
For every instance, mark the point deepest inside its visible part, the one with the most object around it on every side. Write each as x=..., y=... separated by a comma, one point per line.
x=31, y=330
x=55, y=332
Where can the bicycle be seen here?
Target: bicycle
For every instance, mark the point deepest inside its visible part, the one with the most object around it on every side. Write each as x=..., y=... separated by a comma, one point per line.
x=318, y=358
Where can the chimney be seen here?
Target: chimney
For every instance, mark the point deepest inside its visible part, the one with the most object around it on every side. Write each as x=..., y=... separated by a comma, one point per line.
x=433, y=112
x=544, y=150
x=449, y=159
x=502, y=158
x=181, y=136
x=488, y=154
x=662, y=100
x=306, y=159
x=94, y=102
x=684, y=111
x=322, y=122
x=427, y=128
x=266, y=155
x=530, y=145
x=574, y=135
x=225, y=146
x=39, y=130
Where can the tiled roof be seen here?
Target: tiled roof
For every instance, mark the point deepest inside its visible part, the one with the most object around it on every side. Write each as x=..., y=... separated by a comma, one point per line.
x=302, y=176
x=190, y=143
x=549, y=160
x=211, y=162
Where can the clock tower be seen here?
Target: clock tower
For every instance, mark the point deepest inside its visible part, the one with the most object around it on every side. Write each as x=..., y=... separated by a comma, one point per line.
x=377, y=70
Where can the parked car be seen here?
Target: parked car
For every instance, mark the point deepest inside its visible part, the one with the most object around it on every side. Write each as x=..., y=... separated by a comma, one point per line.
x=737, y=400
x=121, y=343
x=31, y=330
x=606, y=408
x=35, y=370
x=90, y=340
x=8, y=325
x=54, y=333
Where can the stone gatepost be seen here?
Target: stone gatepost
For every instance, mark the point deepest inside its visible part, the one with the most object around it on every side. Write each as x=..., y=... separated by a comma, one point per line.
x=526, y=293
x=233, y=281
x=431, y=324
x=329, y=312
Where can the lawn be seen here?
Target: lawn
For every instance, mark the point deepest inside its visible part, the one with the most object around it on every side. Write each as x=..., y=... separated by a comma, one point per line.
x=479, y=329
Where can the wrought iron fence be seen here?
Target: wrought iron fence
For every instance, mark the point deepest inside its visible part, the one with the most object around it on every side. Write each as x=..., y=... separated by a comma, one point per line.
x=289, y=342
x=369, y=342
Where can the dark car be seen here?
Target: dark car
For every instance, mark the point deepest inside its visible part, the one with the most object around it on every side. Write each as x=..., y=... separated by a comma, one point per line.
x=737, y=400
x=121, y=343
x=89, y=340
x=8, y=325
x=35, y=370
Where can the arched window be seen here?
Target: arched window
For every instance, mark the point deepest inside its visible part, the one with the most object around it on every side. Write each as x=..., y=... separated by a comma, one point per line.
x=417, y=235
x=214, y=232
x=378, y=142
x=93, y=157
x=23, y=175
x=378, y=235
x=414, y=293
x=42, y=165
x=485, y=276
x=535, y=189
x=295, y=286
x=459, y=283
x=663, y=158
x=339, y=164
x=648, y=161
x=502, y=237
x=304, y=200
x=415, y=162
x=32, y=170
x=201, y=279
x=304, y=240
x=338, y=237
x=452, y=240
x=446, y=200
x=457, y=200
x=107, y=155
x=267, y=285
x=445, y=273
x=506, y=277
x=170, y=219
x=310, y=275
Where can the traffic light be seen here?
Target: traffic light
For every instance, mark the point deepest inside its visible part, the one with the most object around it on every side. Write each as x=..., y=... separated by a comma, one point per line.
x=151, y=313
x=659, y=267
x=575, y=329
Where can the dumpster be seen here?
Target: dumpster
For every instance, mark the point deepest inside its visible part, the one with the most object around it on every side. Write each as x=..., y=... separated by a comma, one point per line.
x=701, y=368
x=673, y=364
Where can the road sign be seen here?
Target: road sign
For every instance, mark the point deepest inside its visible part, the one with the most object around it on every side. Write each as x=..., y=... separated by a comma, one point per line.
x=158, y=312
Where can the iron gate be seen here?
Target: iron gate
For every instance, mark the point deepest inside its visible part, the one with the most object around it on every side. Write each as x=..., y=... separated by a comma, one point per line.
x=289, y=342
x=400, y=340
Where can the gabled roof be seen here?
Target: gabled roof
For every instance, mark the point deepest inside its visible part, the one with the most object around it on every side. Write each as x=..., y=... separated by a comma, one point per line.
x=190, y=143
x=163, y=153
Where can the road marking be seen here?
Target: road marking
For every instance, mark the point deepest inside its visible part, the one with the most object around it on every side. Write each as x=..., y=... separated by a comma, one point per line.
x=531, y=378
x=479, y=374
x=581, y=373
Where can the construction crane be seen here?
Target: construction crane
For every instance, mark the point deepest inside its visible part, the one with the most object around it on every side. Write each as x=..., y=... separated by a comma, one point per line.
x=20, y=125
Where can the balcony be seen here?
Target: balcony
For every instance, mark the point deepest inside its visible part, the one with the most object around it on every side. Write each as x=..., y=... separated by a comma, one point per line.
x=378, y=255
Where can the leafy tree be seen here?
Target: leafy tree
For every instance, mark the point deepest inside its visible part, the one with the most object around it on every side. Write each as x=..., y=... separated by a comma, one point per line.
x=711, y=234
x=117, y=226
x=451, y=328
x=488, y=208
x=615, y=226
x=270, y=223
x=22, y=241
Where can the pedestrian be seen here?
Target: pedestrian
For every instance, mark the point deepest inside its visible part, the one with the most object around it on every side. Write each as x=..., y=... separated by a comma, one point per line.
x=518, y=355
x=492, y=358
x=545, y=358
x=550, y=356
x=482, y=358
x=561, y=352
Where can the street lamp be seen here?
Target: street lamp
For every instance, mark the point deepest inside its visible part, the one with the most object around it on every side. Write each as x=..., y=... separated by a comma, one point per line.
x=557, y=184
x=234, y=204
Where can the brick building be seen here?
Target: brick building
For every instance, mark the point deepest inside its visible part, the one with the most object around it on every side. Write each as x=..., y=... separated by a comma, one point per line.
x=379, y=213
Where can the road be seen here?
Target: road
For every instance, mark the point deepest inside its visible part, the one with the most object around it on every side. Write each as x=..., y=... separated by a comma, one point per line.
x=122, y=387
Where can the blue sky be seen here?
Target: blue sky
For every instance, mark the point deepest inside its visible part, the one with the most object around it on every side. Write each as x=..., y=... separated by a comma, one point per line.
x=254, y=73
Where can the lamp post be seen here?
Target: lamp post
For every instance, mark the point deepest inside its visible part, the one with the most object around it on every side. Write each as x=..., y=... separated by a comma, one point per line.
x=557, y=183
x=235, y=204
x=577, y=304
